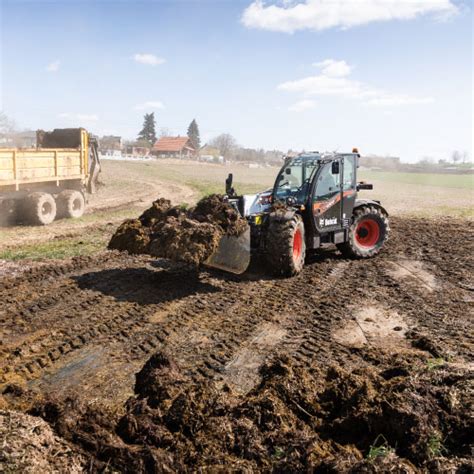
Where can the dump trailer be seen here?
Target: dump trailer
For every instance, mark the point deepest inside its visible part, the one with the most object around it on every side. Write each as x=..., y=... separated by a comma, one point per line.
x=53, y=180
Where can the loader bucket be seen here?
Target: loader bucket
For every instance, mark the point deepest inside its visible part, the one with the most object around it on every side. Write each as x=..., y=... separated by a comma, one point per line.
x=232, y=254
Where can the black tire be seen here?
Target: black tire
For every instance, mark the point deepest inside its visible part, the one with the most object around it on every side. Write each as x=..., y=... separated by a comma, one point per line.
x=286, y=247
x=367, y=234
x=40, y=208
x=8, y=212
x=71, y=204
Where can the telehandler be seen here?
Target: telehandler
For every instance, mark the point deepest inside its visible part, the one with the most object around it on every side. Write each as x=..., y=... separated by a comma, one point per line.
x=313, y=203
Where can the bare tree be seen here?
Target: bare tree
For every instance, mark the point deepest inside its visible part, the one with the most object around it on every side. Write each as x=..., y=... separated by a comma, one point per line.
x=165, y=132
x=225, y=143
x=465, y=156
x=8, y=129
x=456, y=156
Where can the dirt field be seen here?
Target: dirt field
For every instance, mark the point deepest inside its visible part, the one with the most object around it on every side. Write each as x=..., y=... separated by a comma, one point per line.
x=252, y=358
x=143, y=365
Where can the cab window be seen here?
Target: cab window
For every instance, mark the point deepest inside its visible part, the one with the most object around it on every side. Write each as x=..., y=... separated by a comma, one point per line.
x=328, y=184
x=349, y=173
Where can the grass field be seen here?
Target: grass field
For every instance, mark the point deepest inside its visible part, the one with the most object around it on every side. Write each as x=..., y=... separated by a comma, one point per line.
x=130, y=187
x=457, y=181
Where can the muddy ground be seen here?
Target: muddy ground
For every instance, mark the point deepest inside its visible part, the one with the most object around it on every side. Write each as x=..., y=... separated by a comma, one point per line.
x=352, y=366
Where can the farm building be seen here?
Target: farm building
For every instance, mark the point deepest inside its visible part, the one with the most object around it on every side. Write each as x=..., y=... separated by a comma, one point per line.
x=174, y=147
x=110, y=145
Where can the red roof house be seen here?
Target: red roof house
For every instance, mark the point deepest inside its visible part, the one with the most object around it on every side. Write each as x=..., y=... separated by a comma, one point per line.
x=174, y=147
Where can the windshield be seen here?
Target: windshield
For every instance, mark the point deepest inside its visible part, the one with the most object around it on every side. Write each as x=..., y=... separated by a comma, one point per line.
x=295, y=179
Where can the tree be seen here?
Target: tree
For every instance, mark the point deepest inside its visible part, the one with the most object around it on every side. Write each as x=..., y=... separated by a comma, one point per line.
x=193, y=135
x=225, y=143
x=148, y=131
x=165, y=132
x=456, y=156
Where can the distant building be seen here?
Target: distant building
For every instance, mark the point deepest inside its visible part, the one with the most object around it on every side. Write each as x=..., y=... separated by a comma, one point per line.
x=174, y=147
x=110, y=145
x=137, y=151
x=25, y=139
x=208, y=150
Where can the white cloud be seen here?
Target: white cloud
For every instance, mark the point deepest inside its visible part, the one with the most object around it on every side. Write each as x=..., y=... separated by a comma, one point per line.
x=152, y=104
x=54, y=66
x=319, y=15
x=331, y=67
x=302, y=105
x=149, y=59
x=79, y=117
x=333, y=80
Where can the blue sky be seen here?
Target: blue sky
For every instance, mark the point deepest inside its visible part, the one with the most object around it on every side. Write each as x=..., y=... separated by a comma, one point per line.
x=393, y=77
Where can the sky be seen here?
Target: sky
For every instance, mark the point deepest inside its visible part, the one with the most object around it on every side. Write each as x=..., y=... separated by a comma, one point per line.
x=387, y=76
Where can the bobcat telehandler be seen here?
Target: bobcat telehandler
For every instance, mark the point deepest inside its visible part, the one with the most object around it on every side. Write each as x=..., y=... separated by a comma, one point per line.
x=313, y=203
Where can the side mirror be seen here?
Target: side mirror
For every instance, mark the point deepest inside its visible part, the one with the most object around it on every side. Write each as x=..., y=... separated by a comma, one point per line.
x=288, y=171
x=335, y=167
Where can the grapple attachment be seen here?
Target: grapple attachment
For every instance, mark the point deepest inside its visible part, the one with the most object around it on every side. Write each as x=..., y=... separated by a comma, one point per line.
x=232, y=254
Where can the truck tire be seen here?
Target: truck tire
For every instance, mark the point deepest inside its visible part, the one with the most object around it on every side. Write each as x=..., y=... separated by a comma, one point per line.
x=40, y=208
x=70, y=204
x=286, y=247
x=367, y=234
x=7, y=212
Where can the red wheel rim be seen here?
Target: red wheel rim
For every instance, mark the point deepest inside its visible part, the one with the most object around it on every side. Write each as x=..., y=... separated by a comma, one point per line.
x=297, y=245
x=367, y=233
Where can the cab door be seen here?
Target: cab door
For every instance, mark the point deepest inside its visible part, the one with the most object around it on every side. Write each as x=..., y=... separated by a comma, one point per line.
x=349, y=188
x=327, y=198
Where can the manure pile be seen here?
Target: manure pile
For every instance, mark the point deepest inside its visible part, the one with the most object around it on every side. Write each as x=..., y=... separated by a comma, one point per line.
x=172, y=232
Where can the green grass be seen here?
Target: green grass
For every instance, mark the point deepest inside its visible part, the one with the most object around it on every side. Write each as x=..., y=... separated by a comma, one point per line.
x=64, y=247
x=204, y=188
x=435, y=446
x=460, y=181
x=433, y=364
x=379, y=449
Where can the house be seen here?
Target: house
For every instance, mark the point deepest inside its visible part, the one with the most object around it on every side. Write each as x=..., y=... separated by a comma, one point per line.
x=174, y=147
x=26, y=139
x=208, y=150
x=110, y=145
x=137, y=151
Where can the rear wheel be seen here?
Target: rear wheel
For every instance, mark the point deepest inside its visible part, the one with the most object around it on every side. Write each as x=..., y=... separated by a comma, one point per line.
x=40, y=208
x=286, y=247
x=367, y=234
x=70, y=204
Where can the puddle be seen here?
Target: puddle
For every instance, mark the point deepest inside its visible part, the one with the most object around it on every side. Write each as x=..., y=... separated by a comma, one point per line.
x=373, y=326
x=415, y=270
x=241, y=373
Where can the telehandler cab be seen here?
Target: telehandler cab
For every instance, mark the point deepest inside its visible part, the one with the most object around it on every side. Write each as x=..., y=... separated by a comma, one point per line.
x=313, y=203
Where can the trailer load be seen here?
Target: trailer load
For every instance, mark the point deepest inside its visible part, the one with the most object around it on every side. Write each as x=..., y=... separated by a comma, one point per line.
x=52, y=180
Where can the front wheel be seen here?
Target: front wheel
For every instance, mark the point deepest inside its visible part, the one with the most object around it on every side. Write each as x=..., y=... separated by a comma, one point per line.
x=367, y=234
x=286, y=247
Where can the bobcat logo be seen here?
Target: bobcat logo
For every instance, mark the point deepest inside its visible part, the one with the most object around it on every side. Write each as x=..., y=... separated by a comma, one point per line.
x=326, y=222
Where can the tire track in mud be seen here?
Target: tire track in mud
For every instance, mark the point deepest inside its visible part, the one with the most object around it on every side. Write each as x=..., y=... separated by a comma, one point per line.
x=207, y=322
x=83, y=317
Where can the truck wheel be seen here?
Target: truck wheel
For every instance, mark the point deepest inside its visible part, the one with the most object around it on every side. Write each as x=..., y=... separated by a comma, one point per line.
x=70, y=204
x=286, y=247
x=7, y=212
x=367, y=234
x=40, y=208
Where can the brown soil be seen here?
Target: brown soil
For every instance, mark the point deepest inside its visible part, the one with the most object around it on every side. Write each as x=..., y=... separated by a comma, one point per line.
x=172, y=232
x=251, y=373
x=29, y=445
